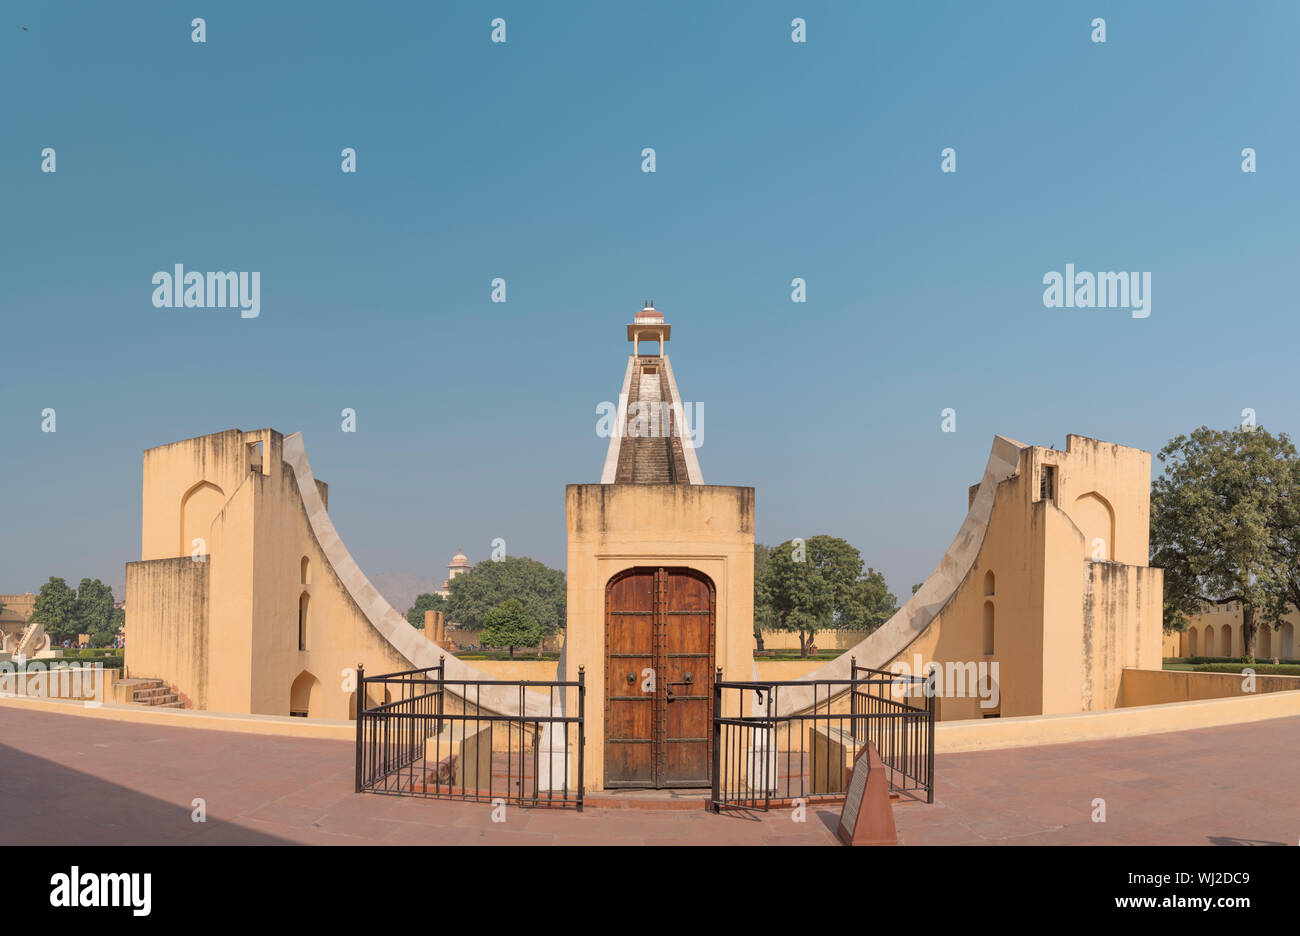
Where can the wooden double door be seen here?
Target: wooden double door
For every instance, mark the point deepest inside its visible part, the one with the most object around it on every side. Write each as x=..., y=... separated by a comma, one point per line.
x=660, y=625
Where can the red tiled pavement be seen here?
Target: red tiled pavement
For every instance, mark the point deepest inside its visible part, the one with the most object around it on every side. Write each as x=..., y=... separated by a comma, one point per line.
x=69, y=779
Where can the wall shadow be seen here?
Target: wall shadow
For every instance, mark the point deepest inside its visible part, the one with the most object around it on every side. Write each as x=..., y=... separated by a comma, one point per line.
x=49, y=804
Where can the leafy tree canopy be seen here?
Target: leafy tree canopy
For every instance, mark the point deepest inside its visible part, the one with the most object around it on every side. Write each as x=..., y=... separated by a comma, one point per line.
x=425, y=602
x=67, y=614
x=94, y=612
x=56, y=608
x=820, y=584
x=540, y=589
x=1223, y=524
x=764, y=616
x=510, y=625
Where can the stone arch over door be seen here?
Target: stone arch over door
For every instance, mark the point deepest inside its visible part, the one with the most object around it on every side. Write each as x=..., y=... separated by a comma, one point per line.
x=1191, y=641
x=304, y=696
x=660, y=650
x=1095, y=518
x=1287, y=649
x=989, y=697
x=199, y=507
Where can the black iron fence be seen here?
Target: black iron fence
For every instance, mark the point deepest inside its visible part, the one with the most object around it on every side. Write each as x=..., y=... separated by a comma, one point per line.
x=762, y=757
x=421, y=734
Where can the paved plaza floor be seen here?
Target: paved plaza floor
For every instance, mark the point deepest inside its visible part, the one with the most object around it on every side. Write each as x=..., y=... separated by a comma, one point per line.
x=76, y=780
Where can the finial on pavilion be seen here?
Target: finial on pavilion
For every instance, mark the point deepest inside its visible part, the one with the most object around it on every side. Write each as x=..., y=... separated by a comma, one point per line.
x=648, y=325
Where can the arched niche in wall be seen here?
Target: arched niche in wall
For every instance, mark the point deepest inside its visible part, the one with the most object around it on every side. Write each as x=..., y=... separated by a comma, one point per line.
x=199, y=507
x=1095, y=518
x=990, y=696
x=304, y=695
x=989, y=584
x=304, y=621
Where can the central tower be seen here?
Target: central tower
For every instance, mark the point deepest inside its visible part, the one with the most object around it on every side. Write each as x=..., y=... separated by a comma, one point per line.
x=651, y=441
x=660, y=584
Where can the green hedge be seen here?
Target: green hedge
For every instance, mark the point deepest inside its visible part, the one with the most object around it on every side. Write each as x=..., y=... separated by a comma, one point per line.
x=788, y=655
x=1197, y=660
x=107, y=662
x=522, y=655
x=1261, y=669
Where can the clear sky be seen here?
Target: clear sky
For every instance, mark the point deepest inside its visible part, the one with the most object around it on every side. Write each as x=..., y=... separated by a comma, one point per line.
x=774, y=160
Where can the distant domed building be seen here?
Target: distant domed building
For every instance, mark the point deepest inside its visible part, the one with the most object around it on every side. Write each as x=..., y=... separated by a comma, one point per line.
x=459, y=563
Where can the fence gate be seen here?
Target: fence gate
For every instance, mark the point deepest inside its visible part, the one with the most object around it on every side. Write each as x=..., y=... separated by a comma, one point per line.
x=419, y=734
x=762, y=758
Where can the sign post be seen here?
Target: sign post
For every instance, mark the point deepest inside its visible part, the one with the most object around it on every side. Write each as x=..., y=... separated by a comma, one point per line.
x=868, y=815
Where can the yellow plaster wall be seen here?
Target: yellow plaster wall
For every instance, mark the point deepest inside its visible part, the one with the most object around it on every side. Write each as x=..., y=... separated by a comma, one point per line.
x=1121, y=476
x=1121, y=624
x=780, y=670
x=172, y=471
x=1065, y=626
x=339, y=635
x=1033, y=731
x=1155, y=687
x=536, y=670
x=224, y=631
x=1013, y=547
x=169, y=623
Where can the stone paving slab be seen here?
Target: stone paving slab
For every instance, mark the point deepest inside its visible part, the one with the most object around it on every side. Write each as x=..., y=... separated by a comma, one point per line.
x=96, y=781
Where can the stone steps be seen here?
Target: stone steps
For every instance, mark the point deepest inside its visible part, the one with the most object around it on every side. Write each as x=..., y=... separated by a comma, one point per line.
x=647, y=460
x=156, y=694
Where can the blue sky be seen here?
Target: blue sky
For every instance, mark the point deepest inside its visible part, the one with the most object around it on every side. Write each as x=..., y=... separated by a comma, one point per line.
x=523, y=160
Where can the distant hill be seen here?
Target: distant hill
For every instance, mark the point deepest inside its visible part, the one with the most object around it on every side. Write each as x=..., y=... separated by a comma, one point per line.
x=401, y=589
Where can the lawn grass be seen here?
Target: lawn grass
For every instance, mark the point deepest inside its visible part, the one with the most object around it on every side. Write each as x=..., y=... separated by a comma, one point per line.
x=1290, y=668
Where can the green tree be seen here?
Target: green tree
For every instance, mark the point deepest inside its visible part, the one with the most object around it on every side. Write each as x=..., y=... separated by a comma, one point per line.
x=541, y=590
x=1219, y=524
x=94, y=612
x=56, y=608
x=425, y=602
x=820, y=584
x=764, y=616
x=510, y=625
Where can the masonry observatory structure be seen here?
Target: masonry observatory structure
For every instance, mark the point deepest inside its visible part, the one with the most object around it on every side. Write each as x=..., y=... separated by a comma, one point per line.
x=660, y=582
x=246, y=600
